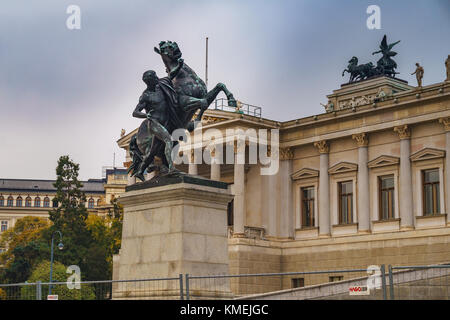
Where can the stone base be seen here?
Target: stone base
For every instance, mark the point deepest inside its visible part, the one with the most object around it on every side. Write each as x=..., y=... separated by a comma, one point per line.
x=174, y=226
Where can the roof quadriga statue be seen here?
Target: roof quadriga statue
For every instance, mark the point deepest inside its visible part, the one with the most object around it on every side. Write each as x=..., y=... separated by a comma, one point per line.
x=385, y=65
x=167, y=104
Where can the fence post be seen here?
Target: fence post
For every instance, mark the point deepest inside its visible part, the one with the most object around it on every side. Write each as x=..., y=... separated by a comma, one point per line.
x=391, y=283
x=181, y=287
x=38, y=290
x=383, y=281
x=187, y=286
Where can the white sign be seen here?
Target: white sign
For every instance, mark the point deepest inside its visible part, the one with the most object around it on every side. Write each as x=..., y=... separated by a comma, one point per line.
x=359, y=291
x=52, y=297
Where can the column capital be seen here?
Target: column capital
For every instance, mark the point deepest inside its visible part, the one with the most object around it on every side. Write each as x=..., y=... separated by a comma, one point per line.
x=446, y=122
x=362, y=139
x=323, y=146
x=286, y=154
x=403, y=131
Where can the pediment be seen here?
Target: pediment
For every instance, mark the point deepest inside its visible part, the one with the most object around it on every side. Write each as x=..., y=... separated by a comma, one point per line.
x=427, y=153
x=304, y=174
x=343, y=167
x=382, y=161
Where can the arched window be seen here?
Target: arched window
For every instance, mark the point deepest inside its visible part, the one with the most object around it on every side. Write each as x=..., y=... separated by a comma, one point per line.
x=19, y=201
x=37, y=202
x=55, y=204
x=46, y=202
x=91, y=203
x=10, y=201
x=98, y=202
x=28, y=201
x=2, y=201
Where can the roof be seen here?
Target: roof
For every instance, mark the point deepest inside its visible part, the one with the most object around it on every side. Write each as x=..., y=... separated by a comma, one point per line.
x=90, y=186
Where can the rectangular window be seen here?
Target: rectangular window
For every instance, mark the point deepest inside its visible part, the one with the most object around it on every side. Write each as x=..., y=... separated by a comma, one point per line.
x=307, y=195
x=4, y=226
x=345, y=202
x=230, y=213
x=386, y=197
x=431, y=201
x=336, y=278
x=298, y=282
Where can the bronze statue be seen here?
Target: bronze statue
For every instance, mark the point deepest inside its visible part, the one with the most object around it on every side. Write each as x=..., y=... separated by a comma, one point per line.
x=169, y=103
x=447, y=67
x=419, y=74
x=385, y=65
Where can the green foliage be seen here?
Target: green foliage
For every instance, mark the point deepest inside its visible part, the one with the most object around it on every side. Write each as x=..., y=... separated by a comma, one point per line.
x=26, y=248
x=42, y=273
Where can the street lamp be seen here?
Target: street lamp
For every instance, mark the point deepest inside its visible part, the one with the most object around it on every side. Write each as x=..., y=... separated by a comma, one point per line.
x=60, y=247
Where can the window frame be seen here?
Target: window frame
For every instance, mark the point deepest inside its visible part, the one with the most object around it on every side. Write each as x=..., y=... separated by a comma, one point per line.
x=46, y=202
x=390, y=191
x=10, y=202
x=436, y=195
x=28, y=202
x=351, y=202
x=4, y=223
x=37, y=202
x=19, y=201
x=303, y=208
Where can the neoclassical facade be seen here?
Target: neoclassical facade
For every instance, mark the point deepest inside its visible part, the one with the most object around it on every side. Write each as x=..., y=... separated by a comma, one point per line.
x=367, y=182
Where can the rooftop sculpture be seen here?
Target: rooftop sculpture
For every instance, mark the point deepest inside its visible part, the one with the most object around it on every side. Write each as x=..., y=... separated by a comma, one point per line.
x=385, y=65
x=169, y=103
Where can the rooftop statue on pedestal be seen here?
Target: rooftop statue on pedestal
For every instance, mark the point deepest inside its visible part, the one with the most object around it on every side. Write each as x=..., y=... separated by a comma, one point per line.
x=385, y=65
x=169, y=103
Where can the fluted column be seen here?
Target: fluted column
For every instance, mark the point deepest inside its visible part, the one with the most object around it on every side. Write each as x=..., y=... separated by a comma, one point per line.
x=192, y=165
x=405, y=188
x=363, y=182
x=446, y=123
x=239, y=192
x=324, y=189
x=215, y=166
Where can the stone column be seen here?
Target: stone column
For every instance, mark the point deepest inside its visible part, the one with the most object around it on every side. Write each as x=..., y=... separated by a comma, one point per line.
x=287, y=228
x=446, y=123
x=405, y=188
x=324, y=189
x=192, y=166
x=239, y=192
x=215, y=167
x=363, y=182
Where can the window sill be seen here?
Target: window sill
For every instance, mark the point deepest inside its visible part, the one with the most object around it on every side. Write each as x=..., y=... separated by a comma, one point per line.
x=307, y=233
x=344, y=229
x=390, y=225
x=431, y=221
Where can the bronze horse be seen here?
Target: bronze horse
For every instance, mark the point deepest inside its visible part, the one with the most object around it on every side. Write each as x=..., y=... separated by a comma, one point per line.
x=186, y=95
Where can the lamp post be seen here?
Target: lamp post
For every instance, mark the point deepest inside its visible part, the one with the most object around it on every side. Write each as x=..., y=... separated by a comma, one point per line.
x=60, y=247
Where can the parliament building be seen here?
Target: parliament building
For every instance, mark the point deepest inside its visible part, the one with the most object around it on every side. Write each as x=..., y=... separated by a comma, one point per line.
x=367, y=182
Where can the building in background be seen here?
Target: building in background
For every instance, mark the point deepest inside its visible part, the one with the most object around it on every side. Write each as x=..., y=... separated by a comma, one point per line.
x=23, y=197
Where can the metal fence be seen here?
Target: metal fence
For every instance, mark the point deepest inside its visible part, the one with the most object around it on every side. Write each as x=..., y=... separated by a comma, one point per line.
x=222, y=104
x=287, y=285
x=419, y=282
x=157, y=288
x=395, y=282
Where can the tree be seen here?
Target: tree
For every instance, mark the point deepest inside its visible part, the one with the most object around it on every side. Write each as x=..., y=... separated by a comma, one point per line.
x=26, y=248
x=80, y=245
x=42, y=273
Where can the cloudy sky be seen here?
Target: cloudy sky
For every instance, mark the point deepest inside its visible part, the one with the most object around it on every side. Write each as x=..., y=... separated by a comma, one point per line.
x=71, y=91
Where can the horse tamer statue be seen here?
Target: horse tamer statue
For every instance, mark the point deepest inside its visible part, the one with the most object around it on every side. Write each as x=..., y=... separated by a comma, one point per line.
x=169, y=103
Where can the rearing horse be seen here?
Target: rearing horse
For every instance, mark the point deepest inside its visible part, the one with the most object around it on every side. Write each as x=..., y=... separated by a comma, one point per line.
x=191, y=90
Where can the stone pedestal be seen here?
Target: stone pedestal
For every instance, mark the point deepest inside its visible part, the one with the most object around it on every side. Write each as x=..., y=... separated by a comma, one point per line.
x=174, y=225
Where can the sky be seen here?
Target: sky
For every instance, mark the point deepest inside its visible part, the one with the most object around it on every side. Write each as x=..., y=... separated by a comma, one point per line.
x=70, y=92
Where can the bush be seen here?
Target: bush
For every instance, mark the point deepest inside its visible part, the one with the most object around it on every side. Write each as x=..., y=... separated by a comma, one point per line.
x=42, y=273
